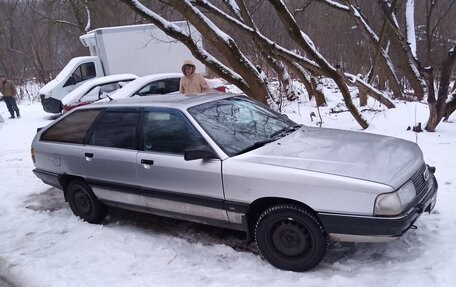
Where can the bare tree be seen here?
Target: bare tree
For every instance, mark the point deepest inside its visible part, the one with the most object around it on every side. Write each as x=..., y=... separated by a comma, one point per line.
x=242, y=71
x=404, y=49
x=38, y=37
x=376, y=42
x=438, y=108
x=249, y=42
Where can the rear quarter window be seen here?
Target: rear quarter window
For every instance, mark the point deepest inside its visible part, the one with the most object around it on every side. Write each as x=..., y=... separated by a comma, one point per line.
x=72, y=128
x=116, y=128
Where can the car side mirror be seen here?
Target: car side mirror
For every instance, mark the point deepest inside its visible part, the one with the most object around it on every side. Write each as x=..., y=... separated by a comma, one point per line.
x=102, y=95
x=199, y=152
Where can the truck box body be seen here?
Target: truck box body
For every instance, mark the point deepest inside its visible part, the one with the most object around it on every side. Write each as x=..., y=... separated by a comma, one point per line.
x=137, y=49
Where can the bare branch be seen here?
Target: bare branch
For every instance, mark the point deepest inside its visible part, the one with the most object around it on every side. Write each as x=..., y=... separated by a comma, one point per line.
x=305, y=43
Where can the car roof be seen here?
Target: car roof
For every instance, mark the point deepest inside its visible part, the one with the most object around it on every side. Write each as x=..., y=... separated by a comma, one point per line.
x=107, y=79
x=178, y=101
x=159, y=76
x=140, y=82
x=82, y=89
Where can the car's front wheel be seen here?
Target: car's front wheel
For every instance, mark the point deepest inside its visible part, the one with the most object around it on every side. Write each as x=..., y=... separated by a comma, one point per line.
x=84, y=203
x=290, y=238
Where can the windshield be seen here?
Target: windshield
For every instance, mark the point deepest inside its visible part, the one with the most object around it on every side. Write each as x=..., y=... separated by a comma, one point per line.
x=239, y=124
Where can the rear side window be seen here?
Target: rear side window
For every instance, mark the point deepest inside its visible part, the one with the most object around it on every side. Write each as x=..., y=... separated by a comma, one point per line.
x=116, y=128
x=72, y=128
x=99, y=92
x=160, y=87
x=172, y=85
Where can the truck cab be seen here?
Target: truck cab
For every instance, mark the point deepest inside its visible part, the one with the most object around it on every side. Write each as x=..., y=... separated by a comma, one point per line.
x=75, y=73
x=135, y=49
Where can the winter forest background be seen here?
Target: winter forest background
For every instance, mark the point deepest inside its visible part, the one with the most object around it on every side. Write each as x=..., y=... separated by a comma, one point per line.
x=387, y=49
x=400, y=54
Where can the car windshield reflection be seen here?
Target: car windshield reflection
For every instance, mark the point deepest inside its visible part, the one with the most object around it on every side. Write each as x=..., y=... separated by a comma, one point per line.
x=239, y=124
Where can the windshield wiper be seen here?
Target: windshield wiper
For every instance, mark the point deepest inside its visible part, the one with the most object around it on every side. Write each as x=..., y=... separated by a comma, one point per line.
x=285, y=131
x=273, y=137
x=256, y=145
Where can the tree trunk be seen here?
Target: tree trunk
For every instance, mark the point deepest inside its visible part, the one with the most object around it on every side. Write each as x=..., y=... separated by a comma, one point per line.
x=297, y=35
x=445, y=76
x=362, y=97
x=450, y=107
x=309, y=82
x=412, y=69
x=432, y=103
x=437, y=107
x=319, y=96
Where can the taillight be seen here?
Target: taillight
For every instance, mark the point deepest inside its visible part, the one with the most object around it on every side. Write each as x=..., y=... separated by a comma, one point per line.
x=221, y=89
x=32, y=152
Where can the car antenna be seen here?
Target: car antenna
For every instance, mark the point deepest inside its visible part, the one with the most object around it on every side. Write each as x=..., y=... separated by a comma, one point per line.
x=416, y=130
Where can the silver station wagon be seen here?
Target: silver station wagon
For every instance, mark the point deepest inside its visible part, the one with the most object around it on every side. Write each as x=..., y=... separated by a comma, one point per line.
x=227, y=160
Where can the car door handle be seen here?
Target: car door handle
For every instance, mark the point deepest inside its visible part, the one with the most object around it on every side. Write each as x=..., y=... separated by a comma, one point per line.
x=147, y=163
x=88, y=156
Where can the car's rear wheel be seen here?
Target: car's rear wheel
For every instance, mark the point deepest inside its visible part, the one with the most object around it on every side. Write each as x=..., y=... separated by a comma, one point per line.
x=84, y=203
x=290, y=238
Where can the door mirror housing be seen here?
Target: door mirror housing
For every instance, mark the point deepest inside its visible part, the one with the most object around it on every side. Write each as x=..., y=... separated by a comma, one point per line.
x=199, y=152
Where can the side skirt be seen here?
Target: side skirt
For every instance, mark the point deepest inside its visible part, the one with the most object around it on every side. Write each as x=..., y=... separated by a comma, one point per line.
x=175, y=215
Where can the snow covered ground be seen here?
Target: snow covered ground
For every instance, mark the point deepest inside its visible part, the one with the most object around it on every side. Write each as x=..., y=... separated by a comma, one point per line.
x=43, y=244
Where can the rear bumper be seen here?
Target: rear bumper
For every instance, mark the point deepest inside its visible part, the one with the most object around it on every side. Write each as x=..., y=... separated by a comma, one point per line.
x=51, y=105
x=371, y=228
x=48, y=178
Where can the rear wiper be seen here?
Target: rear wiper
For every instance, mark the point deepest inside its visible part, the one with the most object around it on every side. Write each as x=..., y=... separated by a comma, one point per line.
x=256, y=145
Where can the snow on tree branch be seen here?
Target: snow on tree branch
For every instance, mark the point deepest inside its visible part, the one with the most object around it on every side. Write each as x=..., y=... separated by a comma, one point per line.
x=410, y=27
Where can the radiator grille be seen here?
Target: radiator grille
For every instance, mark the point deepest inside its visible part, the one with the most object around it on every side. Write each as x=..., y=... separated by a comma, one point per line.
x=418, y=179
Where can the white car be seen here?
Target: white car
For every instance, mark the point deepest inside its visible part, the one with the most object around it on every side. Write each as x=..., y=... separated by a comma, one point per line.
x=95, y=89
x=158, y=84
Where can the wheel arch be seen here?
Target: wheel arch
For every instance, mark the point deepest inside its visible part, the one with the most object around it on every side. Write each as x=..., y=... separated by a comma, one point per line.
x=259, y=205
x=65, y=180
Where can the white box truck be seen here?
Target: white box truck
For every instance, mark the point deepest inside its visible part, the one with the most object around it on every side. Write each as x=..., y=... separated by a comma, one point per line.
x=137, y=49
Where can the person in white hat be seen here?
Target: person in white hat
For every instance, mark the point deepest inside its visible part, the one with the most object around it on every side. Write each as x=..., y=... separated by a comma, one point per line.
x=192, y=82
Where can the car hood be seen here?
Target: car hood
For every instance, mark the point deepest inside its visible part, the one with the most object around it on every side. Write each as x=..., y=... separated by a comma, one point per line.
x=46, y=90
x=365, y=156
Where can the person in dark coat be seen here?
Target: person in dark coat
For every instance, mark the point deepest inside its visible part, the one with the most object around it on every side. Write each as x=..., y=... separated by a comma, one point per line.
x=8, y=89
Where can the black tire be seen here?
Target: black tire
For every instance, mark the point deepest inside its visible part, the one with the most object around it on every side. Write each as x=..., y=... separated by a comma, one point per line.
x=290, y=238
x=84, y=203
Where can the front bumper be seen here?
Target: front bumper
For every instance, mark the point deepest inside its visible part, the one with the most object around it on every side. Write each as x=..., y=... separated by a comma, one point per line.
x=365, y=228
x=51, y=105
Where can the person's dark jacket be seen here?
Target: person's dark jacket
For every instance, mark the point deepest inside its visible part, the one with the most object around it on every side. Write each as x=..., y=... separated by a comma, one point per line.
x=7, y=88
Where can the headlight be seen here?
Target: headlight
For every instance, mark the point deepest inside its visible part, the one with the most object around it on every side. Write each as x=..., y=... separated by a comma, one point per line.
x=394, y=203
x=407, y=193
